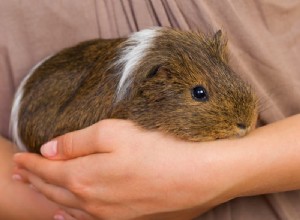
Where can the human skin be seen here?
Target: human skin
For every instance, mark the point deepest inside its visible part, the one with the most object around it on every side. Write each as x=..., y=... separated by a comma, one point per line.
x=17, y=200
x=20, y=201
x=154, y=176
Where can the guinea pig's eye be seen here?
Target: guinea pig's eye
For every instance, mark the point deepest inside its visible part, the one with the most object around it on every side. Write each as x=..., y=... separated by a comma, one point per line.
x=153, y=71
x=199, y=93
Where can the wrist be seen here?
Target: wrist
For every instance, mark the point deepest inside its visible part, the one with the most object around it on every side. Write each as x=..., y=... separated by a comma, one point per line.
x=209, y=174
x=267, y=160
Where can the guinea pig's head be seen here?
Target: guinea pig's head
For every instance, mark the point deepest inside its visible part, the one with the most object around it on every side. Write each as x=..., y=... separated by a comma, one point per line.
x=180, y=82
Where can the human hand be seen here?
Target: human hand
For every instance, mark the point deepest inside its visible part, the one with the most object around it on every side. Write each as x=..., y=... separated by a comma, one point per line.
x=120, y=171
x=18, y=200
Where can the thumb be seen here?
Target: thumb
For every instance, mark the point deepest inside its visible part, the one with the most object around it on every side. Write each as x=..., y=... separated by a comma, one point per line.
x=90, y=140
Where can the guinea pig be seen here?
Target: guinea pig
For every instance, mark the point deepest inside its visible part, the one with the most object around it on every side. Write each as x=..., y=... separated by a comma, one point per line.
x=174, y=81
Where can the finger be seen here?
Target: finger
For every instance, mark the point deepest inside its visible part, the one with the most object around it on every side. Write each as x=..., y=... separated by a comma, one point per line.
x=66, y=174
x=52, y=192
x=50, y=171
x=90, y=140
x=18, y=177
x=71, y=214
x=63, y=215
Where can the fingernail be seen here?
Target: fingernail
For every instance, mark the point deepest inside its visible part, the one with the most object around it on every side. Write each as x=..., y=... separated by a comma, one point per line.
x=58, y=217
x=49, y=149
x=16, y=177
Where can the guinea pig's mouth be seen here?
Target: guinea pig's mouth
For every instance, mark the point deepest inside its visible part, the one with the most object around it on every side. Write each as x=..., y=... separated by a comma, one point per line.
x=224, y=138
x=241, y=133
x=238, y=134
x=244, y=131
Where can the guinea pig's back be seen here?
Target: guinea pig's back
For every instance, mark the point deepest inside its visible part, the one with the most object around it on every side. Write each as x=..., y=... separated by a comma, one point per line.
x=74, y=86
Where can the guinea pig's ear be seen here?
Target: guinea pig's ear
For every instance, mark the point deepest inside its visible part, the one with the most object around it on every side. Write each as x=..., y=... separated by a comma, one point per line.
x=220, y=43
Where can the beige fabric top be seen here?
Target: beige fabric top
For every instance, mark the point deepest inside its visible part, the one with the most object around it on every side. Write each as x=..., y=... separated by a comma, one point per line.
x=264, y=42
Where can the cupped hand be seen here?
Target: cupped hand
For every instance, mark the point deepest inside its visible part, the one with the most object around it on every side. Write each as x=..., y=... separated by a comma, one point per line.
x=115, y=170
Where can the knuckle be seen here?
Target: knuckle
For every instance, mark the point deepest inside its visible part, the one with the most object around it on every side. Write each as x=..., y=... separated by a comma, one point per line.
x=104, y=126
x=78, y=187
x=103, y=131
x=50, y=196
x=73, y=184
x=101, y=211
x=109, y=127
x=71, y=181
x=66, y=145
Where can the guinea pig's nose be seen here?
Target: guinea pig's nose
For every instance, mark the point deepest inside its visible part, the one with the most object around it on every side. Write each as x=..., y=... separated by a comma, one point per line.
x=242, y=129
x=241, y=126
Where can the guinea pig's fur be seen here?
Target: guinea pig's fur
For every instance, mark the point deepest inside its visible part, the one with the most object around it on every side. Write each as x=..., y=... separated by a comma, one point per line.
x=174, y=81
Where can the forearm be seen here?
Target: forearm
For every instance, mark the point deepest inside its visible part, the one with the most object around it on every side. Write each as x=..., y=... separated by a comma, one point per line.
x=17, y=200
x=271, y=158
x=265, y=161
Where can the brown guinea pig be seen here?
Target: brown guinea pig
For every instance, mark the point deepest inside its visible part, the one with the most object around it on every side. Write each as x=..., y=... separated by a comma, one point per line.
x=174, y=81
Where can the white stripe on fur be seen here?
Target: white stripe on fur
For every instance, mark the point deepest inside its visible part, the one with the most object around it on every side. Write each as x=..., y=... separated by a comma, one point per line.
x=135, y=50
x=14, y=118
